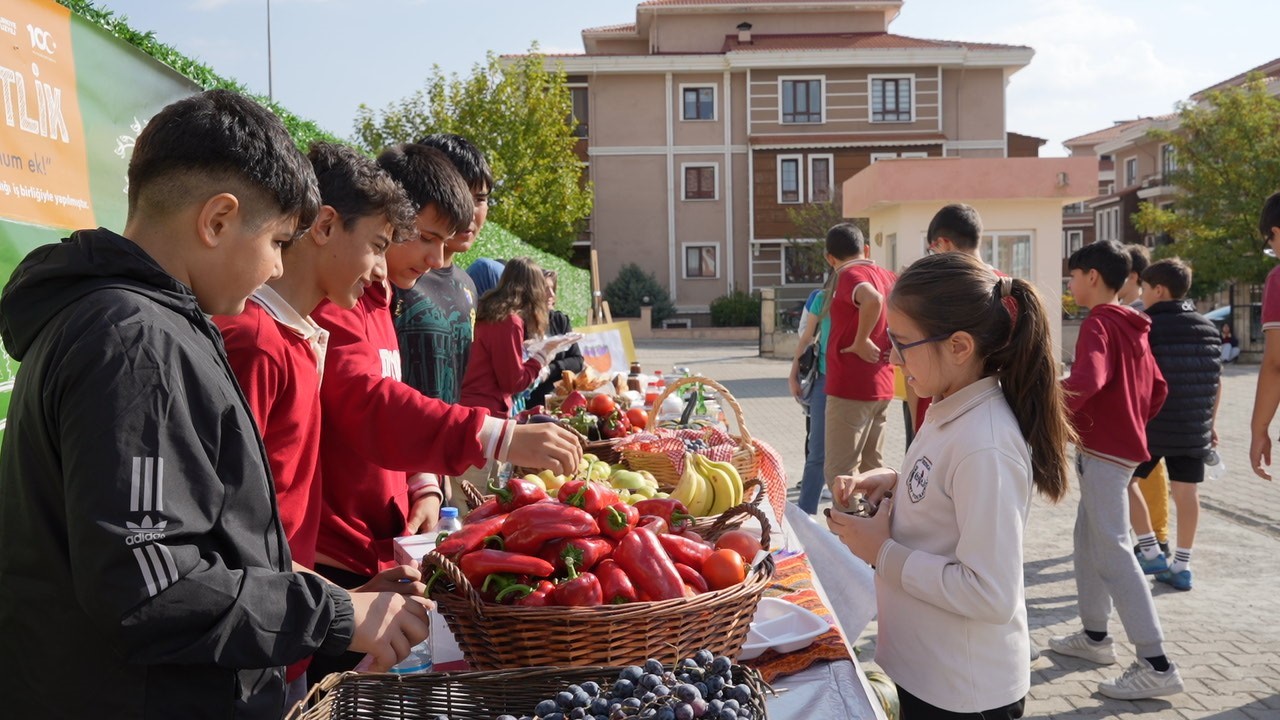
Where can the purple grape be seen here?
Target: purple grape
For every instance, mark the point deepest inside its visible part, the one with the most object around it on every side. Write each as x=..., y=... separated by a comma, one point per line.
x=684, y=711
x=699, y=707
x=545, y=708
x=653, y=666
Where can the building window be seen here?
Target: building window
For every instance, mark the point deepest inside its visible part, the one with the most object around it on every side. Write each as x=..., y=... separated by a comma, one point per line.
x=1130, y=171
x=789, y=183
x=891, y=99
x=821, y=178
x=803, y=263
x=801, y=100
x=1072, y=240
x=579, y=96
x=877, y=157
x=698, y=103
x=1107, y=223
x=701, y=261
x=1008, y=252
x=891, y=244
x=1168, y=161
x=700, y=181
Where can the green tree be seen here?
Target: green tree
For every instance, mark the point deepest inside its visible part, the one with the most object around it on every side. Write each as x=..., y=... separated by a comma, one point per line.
x=811, y=222
x=1228, y=156
x=515, y=111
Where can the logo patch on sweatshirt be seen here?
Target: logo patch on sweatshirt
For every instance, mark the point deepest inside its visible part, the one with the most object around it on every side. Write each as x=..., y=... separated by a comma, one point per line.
x=918, y=480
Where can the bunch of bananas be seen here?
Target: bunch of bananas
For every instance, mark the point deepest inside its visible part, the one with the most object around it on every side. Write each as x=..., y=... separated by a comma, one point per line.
x=707, y=487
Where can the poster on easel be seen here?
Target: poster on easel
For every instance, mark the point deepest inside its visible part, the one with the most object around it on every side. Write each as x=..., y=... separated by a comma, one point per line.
x=607, y=348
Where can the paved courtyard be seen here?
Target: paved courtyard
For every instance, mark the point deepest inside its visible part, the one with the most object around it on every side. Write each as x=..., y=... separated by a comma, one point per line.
x=1223, y=634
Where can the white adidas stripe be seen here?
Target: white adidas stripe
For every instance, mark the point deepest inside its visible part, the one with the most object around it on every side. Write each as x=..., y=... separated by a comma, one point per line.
x=146, y=491
x=157, y=566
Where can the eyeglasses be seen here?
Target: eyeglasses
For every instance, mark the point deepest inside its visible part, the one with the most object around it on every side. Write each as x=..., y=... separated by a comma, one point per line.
x=932, y=248
x=1266, y=244
x=903, y=347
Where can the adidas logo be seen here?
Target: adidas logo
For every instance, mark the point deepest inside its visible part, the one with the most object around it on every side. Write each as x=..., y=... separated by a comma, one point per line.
x=145, y=531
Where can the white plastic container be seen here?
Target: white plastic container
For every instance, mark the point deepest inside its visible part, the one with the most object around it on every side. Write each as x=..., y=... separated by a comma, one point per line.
x=781, y=626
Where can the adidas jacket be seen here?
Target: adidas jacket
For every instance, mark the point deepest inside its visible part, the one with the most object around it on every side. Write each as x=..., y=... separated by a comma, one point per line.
x=142, y=558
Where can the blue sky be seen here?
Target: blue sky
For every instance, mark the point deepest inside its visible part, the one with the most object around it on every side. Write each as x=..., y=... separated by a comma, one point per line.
x=1096, y=61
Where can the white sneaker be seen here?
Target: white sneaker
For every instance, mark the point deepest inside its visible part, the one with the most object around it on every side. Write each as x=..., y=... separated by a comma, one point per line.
x=1079, y=645
x=1142, y=681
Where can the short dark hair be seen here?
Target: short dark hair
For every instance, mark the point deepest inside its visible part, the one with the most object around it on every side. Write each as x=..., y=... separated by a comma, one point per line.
x=956, y=222
x=1269, y=217
x=1139, y=258
x=221, y=141
x=466, y=158
x=1172, y=273
x=1107, y=257
x=429, y=178
x=845, y=241
x=356, y=187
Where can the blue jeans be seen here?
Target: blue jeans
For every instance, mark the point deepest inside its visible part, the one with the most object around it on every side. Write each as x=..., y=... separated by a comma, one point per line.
x=812, y=482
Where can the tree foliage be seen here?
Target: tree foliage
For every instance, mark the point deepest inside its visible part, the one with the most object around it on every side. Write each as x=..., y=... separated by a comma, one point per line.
x=1228, y=162
x=515, y=111
x=634, y=287
x=812, y=221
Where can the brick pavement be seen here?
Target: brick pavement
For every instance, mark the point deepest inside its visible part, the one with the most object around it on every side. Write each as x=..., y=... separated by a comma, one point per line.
x=1223, y=634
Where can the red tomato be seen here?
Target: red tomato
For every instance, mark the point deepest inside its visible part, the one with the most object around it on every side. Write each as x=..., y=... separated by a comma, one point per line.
x=638, y=417
x=601, y=405
x=723, y=568
x=741, y=542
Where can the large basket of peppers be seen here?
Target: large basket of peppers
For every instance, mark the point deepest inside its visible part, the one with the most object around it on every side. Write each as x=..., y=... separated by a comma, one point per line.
x=583, y=580
x=663, y=465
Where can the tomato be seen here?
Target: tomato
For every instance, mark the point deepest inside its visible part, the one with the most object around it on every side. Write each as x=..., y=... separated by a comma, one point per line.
x=601, y=405
x=638, y=417
x=724, y=568
x=741, y=542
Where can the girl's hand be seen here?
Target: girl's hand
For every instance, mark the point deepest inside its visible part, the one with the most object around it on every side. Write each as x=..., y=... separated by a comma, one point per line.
x=874, y=484
x=794, y=385
x=863, y=536
x=402, y=579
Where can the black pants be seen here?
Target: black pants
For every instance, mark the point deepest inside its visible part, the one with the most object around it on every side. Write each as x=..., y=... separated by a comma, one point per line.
x=913, y=708
x=322, y=665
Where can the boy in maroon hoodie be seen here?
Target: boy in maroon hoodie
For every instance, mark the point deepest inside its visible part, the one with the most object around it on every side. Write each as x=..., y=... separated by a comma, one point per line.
x=1115, y=388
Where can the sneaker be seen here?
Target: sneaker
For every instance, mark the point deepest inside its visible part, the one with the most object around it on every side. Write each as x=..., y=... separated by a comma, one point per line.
x=1079, y=645
x=1142, y=681
x=1180, y=580
x=1157, y=564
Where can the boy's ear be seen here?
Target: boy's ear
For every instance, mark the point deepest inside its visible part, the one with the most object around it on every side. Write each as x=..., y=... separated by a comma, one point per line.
x=218, y=214
x=327, y=222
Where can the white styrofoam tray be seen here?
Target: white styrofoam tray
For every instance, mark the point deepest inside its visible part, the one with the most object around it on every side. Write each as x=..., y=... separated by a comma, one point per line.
x=781, y=626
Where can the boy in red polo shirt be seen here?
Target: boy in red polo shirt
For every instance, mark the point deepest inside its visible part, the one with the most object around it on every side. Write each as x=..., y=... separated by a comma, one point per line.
x=277, y=352
x=859, y=376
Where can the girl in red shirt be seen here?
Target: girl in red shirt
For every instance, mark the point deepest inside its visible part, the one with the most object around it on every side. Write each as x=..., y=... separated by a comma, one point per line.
x=507, y=316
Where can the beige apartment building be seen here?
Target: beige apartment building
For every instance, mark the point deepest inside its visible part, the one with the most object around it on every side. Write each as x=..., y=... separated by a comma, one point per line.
x=703, y=121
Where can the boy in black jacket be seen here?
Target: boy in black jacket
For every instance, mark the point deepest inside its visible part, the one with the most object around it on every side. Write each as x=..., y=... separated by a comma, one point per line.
x=1187, y=349
x=141, y=552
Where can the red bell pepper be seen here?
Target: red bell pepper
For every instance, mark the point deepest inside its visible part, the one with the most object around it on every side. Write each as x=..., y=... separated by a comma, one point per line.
x=530, y=596
x=692, y=578
x=484, y=510
x=518, y=493
x=673, y=511
x=471, y=536
x=528, y=528
x=656, y=525
x=683, y=550
x=587, y=552
x=588, y=495
x=580, y=590
x=614, y=583
x=617, y=519
x=480, y=564
x=648, y=565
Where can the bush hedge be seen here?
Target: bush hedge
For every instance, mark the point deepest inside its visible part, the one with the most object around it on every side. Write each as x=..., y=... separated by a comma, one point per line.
x=737, y=309
x=629, y=289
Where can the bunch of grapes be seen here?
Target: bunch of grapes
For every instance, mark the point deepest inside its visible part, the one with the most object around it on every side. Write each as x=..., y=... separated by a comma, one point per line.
x=699, y=687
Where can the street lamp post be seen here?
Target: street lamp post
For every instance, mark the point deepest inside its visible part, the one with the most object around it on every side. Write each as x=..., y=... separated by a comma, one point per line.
x=270, y=89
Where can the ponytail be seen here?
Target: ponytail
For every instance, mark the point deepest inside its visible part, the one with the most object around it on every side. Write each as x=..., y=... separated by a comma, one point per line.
x=1029, y=379
x=954, y=292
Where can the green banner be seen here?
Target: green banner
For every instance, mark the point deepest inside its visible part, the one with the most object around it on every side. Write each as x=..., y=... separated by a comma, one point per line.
x=74, y=99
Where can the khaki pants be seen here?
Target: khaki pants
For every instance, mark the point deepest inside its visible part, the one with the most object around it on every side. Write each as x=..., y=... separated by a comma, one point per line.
x=1155, y=490
x=854, y=437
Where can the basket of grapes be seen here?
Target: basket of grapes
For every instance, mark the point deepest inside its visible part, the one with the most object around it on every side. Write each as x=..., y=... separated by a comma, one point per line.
x=702, y=686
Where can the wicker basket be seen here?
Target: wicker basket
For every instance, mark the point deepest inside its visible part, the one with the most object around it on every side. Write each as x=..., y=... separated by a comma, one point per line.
x=493, y=636
x=462, y=696
x=744, y=458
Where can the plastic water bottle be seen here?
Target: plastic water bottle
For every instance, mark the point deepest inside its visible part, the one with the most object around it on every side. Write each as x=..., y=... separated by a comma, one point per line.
x=1214, y=467
x=449, y=521
x=418, y=660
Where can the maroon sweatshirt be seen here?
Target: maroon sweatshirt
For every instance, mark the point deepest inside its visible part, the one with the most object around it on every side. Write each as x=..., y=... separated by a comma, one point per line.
x=1115, y=387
